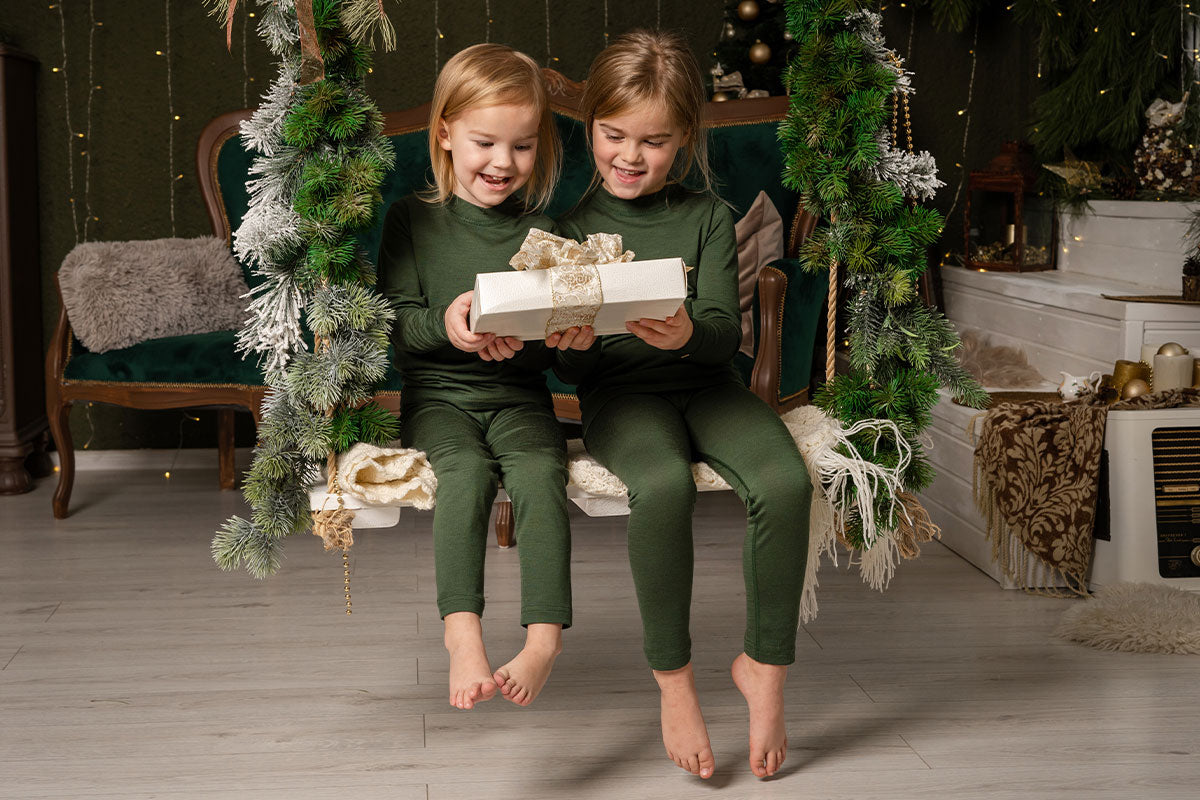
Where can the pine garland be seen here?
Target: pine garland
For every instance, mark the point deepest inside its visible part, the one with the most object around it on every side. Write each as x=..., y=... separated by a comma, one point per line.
x=839, y=158
x=315, y=186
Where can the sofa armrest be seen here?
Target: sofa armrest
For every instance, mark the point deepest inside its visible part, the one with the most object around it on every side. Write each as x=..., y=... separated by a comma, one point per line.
x=787, y=319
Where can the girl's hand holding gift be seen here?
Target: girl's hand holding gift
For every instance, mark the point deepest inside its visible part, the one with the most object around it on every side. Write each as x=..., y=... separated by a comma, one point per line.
x=669, y=334
x=500, y=348
x=572, y=338
x=487, y=345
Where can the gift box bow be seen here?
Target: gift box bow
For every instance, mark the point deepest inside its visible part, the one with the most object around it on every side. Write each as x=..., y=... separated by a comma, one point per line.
x=575, y=290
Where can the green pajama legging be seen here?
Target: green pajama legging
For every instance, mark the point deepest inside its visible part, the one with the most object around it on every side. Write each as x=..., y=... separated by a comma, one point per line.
x=648, y=441
x=471, y=452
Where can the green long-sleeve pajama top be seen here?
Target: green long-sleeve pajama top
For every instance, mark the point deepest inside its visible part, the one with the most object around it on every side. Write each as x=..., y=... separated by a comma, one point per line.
x=648, y=413
x=671, y=223
x=428, y=256
x=479, y=422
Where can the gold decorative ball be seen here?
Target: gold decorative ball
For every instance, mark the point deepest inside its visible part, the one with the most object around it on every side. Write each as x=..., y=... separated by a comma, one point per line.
x=1134, y=388
x=747, y=10
x=1172, y=349
x=760, y=53
x=787, y=36
x=719, y=97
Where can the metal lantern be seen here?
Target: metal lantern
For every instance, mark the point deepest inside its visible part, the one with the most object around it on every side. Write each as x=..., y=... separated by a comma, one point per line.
x=1008, y=227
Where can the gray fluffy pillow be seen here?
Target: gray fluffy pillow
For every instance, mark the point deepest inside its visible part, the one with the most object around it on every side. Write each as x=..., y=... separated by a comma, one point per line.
x=120, y=293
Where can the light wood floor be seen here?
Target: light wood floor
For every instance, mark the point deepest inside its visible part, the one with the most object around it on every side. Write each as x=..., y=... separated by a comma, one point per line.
x=130, y=667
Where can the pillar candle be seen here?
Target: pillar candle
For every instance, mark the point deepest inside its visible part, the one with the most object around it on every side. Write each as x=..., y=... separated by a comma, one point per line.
x=1172, y=372
x=1148, y=353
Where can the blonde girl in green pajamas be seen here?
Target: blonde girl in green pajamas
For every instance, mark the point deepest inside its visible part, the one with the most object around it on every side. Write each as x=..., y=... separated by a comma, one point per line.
x=476, y=403
x=666, y=394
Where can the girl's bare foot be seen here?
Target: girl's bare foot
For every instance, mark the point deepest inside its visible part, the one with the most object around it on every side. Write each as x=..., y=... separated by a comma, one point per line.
x=470, y=673
x=683, y=729
x=762, y=686
x=521, y=679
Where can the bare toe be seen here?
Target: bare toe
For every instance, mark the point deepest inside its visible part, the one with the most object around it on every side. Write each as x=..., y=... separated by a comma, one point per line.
x=762, y=686
x=684, y=733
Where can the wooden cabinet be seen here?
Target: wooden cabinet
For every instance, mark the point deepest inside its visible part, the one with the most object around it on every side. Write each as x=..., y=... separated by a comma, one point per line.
x=22, y=390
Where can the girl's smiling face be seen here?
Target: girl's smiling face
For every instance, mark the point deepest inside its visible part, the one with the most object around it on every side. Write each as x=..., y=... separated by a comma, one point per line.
x=634, y=150
x=492, y=150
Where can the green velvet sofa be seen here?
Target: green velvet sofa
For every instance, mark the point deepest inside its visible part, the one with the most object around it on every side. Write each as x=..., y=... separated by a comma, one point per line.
x=205, y=371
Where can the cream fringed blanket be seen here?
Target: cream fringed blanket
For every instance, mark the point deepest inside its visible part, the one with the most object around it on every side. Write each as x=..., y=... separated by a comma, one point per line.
x=390, y=476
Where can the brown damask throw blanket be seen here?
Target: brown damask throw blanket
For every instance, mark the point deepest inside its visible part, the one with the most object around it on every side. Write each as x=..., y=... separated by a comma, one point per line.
x=1036, y=470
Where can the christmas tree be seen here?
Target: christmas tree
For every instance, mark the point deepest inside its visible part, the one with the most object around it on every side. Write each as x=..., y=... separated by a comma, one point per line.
x=845, y=86
x=320, y=161
x=1103, y=66
x=755, y=44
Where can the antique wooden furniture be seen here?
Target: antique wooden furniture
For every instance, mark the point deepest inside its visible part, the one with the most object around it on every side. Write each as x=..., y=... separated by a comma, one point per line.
x=22, y=404
x=204, y=370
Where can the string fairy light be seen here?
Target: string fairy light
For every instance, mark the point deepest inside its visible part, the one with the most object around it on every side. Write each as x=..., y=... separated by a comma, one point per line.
x=245, y=69
x=487, y=9
x=962, y=172
x=606, y=23
x=88, y=217
x=549, y=57
x=183, y=420
x=437, y=40
x=658, y=14
x=173, y=117
x=62, y=69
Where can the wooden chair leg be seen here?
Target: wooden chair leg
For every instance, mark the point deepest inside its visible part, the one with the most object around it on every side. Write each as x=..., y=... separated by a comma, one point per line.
x=60, y=429
x=505, y=537
x=225, y=424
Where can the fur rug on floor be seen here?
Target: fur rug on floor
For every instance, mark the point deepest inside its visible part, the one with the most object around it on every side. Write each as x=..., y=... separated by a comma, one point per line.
x=120, y=293
x=1136, y=618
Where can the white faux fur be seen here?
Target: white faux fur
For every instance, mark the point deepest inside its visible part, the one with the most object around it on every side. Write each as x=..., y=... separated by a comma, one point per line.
x=120, y=293
x=1136, y=617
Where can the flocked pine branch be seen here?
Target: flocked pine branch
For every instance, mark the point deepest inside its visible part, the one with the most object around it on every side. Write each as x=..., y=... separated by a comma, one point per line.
x=316, y=321
x=840, y=158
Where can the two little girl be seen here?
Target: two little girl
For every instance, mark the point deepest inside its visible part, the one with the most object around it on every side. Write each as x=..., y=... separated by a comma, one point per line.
x=652, y=400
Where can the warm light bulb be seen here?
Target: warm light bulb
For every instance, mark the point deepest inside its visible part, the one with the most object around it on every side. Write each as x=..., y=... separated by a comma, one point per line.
x=167, y=475
x=176, y=116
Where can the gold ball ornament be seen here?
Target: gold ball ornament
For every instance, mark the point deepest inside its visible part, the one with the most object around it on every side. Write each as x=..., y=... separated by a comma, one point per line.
x=760, y=53
x=747, y=10
x=1172, y=349
x=787, y=36
x=720, y=97
x=1134, y=388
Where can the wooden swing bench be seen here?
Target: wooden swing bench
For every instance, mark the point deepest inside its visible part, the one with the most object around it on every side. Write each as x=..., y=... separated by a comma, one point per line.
x=204, y=370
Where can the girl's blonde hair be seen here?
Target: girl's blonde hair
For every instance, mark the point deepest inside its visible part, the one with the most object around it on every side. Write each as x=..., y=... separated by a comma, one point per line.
x=491, y=75
x=657, y=67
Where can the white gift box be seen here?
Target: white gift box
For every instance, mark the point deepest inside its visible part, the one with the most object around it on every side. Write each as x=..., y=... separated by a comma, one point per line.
x=519, y=303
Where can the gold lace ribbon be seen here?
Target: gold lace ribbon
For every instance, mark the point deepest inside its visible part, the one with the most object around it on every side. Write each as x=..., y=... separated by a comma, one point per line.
x=576, y=293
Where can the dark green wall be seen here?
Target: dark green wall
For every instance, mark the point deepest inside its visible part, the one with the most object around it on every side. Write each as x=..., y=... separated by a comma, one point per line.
x=1005, y=86
x=134, y=140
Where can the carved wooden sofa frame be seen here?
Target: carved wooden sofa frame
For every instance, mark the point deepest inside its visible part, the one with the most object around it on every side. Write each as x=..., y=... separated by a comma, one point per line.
x=774, y=358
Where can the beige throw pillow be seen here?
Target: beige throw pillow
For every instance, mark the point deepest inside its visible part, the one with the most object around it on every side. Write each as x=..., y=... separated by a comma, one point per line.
x=759, y=242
